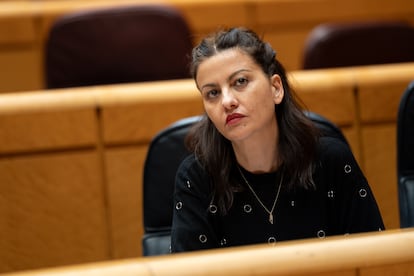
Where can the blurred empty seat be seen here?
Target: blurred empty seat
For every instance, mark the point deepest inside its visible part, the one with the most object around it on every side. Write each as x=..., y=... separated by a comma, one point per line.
x=117, y=45
x=357, y=44
x=405, y=156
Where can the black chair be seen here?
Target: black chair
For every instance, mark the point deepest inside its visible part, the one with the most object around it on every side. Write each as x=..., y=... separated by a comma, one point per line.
x=165, y=154
x=358, y=43
x=117, y=44
x=405, y=157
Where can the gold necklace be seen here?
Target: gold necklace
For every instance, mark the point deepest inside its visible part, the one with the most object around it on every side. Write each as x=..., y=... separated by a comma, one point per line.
x=270, y=212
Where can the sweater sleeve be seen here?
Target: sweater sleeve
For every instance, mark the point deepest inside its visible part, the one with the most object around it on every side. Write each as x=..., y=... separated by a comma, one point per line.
x=354, y=206
x=193, y=215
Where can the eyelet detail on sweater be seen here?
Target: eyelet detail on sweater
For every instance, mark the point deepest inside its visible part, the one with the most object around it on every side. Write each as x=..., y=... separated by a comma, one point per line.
x=212, y=209
x=202, y=238
x=247, y=208
x=321, y=234
x=271, y=240
x=347, y=168
x=363, y=193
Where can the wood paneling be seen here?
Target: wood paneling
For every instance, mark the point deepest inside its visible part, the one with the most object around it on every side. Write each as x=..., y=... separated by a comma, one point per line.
x=405, y=268
x=17, y=29
x=47, y=131
x=380, y=167
x=270, y=12
x=140, y=122
x=21, y=68
x=380, y=91
x=379, y=94
x=124, y=168
x=206, y=16
x=138, y=111
x=288, y=42
x=52, y=211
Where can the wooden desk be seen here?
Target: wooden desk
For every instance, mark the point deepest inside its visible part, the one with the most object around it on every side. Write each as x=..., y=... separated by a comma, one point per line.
x=374, y=254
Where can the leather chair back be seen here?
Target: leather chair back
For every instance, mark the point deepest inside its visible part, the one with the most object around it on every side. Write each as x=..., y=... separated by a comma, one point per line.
x=405, y=157
x=166, y=151
x=117, y=45
x=359, y=43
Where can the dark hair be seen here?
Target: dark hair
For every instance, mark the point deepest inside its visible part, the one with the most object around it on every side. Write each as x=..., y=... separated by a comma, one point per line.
x=297, y=135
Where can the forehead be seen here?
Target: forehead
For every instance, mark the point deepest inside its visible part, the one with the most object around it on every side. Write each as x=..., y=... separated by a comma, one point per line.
x=223, y=64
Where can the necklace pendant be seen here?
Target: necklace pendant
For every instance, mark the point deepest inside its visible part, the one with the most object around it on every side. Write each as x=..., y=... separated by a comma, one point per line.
x=271, y=218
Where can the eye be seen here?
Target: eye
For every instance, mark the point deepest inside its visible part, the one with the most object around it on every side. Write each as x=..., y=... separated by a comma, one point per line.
x=211, y=94
x=240, y=82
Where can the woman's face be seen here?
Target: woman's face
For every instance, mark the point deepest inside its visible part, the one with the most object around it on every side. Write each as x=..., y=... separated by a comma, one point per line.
x=238, y=96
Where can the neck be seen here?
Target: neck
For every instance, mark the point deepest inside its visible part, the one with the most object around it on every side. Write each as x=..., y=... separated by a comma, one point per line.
x=258, y=156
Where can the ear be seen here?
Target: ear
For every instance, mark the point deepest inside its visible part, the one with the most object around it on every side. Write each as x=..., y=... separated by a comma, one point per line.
x=277, y=88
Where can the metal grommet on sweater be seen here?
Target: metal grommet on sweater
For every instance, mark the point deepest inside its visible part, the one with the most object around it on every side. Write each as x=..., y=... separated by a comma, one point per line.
x=202, y=238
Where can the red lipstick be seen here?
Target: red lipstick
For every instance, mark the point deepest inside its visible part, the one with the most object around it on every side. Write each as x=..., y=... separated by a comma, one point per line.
x=233, y=118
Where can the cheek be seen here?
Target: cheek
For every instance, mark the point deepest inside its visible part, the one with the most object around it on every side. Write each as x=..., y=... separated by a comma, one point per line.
x=266, y=106
x=211, y=111
x=261, y=102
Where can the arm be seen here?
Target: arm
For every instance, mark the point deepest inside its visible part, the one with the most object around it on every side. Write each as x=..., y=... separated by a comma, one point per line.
x=193, y=223
x=354, y=206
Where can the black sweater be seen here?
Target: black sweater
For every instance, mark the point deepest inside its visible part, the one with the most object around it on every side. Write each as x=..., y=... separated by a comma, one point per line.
x=342, y=203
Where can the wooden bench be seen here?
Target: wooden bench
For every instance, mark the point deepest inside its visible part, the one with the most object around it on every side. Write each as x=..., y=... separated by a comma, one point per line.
x=373, y=254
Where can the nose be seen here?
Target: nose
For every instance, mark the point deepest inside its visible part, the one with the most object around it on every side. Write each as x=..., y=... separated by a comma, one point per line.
x=229, y=100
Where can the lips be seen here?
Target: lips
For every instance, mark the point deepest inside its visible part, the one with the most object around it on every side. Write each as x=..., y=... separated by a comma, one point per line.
x=233, y=118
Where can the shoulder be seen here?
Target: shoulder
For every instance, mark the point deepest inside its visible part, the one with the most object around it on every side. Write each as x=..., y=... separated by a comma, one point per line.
x=331, y=149
x=337, y=164
x=190, y=166
x=191, y=172
x=335, y=157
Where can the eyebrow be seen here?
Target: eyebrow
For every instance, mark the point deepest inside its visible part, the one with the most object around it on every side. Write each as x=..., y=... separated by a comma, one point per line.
x=228, y=79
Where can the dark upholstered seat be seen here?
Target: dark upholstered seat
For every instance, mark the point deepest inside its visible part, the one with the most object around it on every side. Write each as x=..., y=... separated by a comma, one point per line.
x=357, y=44
x=405, y=156
x=165, y=154
x=117, y=45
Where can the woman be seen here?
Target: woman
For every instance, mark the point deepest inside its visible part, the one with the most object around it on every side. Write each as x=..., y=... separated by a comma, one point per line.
x=259, y=171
